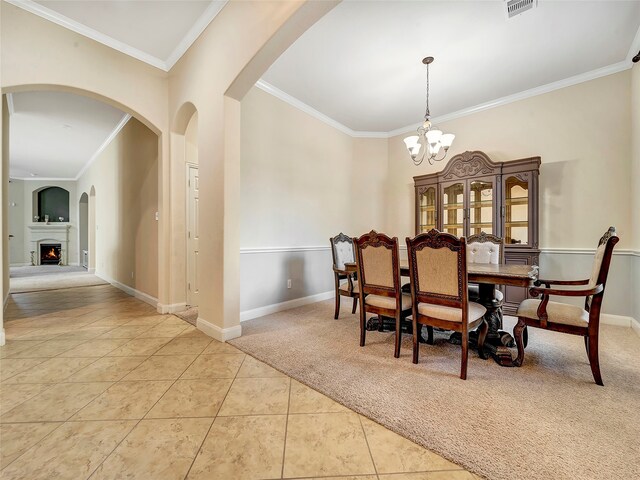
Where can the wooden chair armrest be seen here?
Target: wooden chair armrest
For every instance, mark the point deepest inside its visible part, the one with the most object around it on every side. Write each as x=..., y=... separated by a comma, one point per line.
x=545, y=292
x=548, y=283
x=341, y=272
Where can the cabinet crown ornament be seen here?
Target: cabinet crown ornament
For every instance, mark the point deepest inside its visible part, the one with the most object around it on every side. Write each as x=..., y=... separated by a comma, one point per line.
x=468, y=164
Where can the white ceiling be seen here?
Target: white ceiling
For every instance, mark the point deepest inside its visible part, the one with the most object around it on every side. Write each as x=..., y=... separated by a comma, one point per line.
x=157, y=32
x=55, y=135
x=361, y=65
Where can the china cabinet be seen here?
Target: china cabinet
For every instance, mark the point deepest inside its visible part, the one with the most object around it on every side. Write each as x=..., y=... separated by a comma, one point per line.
x=473, y=194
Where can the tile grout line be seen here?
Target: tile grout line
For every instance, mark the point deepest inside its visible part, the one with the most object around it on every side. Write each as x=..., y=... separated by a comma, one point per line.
x=215, y=416
x=375, y=468
x=139, y=420
x=63, y=422
x=286, y=429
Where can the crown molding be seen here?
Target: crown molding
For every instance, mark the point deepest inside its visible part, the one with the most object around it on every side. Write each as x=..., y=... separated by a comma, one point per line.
x=125, y=118
x=44, y=179
x=10, y=106
x=550, y=87
x=194, y=32
x=66, y=22
x=533, y=92
x=294, y=102
x=635, y=47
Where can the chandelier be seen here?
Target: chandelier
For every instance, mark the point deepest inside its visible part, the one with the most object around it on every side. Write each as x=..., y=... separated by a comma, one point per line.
x=430, y=141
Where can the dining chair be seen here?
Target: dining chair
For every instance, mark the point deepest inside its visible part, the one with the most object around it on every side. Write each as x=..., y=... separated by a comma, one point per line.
x=439, y=290
x=342, y=251
x=565, y=318
x=377, y=261
x=485, y=249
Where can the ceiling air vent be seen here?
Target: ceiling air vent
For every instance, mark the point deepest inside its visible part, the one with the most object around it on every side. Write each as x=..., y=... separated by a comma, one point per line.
x=516, y=7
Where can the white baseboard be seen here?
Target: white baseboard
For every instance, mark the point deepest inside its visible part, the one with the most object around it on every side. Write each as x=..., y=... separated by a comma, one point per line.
x=278, y=307
x=171, y=308
x=130, y=290
x=220, y=334
x=617, y=320
x=2, y=337
x=25, y=264
x=92, y=270
x=635, y=326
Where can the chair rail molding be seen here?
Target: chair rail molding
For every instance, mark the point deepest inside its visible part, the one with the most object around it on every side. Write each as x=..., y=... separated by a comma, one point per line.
x=312, y=248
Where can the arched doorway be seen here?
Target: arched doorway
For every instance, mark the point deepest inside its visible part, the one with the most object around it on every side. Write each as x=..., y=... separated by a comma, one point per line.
x=83, y=230
x=154, y=181
x=184, y=138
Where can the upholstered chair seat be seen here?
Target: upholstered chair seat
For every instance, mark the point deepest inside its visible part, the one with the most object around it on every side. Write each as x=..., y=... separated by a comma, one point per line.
x=439, y=291
x=557, y=312
x=567, y=318
x=451, y=314
x=388, y=302
x=344, y=287
x=377, y=260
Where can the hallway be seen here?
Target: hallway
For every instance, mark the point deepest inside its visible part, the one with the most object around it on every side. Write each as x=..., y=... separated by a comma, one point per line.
x=96, y=384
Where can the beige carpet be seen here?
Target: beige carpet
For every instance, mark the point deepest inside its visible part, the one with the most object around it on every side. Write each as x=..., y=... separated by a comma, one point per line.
x=545, y=420
x=50, y=277
x=190, y=315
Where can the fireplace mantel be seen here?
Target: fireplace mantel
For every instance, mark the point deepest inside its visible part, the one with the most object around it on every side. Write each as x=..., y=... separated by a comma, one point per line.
x=49, y=233
x=49, y=227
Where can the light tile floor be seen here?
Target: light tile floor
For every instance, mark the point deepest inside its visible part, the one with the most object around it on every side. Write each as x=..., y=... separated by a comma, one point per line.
x=95, y=384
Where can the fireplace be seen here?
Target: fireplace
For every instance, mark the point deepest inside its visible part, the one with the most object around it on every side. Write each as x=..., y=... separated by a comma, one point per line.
x=50, y=253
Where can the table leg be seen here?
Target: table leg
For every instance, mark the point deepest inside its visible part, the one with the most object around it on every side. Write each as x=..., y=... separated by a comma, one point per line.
x=498, y=342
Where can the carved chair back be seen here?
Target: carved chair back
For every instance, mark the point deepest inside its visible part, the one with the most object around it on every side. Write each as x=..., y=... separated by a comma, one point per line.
x=485, y=248
x=438, y=269
x=600, y=272
x=377, y=257
x=342, y=250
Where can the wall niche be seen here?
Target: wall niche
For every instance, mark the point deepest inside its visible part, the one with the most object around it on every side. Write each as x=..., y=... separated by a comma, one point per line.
x=52, y=202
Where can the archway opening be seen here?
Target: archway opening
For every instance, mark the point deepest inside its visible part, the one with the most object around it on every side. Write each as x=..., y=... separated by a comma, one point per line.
x=83, y=229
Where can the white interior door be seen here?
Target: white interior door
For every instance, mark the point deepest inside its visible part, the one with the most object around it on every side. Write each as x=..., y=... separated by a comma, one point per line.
x=193, y=235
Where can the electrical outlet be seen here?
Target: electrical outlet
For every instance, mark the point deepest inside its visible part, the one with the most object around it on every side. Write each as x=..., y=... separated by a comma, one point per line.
x=289, y=283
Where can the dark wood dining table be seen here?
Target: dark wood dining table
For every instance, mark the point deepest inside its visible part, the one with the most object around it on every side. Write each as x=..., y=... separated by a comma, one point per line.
x=497, y=343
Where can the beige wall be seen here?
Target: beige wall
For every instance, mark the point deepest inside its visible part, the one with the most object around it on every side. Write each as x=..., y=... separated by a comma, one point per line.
x=230, y=55
x=4, y=212
x=635, y=155
x=635, y=189
x=19, y=213
x=38, y=54
x=125, y=180
x=303, y=181
x=582, y=134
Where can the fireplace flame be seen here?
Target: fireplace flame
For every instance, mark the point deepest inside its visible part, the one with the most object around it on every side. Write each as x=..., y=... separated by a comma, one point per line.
x=51, y=254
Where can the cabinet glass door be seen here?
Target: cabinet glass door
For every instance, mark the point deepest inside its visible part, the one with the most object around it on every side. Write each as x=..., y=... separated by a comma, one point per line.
x=453, y=209
x=516, y=219
x=427, y=210
x=480, y=206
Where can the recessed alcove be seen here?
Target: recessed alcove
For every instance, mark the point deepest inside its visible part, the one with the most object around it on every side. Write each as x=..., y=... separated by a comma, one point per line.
x=52, y=202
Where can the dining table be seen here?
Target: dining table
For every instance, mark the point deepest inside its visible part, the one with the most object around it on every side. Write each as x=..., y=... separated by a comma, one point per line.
x=497, y=343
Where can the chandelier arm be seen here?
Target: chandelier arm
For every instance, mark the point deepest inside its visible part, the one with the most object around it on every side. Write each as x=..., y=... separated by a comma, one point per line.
x=443, y=157
x=419, y=157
